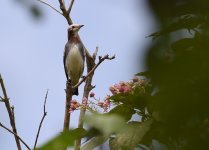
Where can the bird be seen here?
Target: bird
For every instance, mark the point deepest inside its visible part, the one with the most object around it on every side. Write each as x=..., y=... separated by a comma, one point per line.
x=74, y=56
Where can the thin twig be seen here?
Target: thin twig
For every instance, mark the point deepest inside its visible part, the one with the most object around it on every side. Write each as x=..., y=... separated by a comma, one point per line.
x=63, y=11
x=50, y=6
x=10, y=113
x=42, y=119
x=70, y=7
x=15, y=135
x=101, y=59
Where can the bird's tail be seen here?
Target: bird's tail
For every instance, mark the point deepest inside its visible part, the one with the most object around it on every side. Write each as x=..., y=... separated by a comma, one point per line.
x=75, y=91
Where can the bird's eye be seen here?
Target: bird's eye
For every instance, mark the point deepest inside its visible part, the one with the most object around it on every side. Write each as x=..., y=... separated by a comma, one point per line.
x=73, y=27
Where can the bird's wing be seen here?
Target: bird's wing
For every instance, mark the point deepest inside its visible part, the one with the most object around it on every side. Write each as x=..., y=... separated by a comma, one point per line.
x=66, y=51
x=81, y=46
x=82, y=52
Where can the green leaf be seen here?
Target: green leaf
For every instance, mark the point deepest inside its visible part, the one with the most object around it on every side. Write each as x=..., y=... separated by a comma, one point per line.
x=65, y=139
x=187, y=22
x=126, y=111
x=145, y=74
x=119, y=97
x=135, y=99
x=113, y=144
x=106, y=123
x=183, y=44
x=131, y=136
x=94, y=142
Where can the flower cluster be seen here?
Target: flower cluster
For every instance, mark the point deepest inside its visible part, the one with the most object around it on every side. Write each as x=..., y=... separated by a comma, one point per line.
x=127, y=87
x=93, y=104
x=104, y=104
x=75, y=105
x=122, y=87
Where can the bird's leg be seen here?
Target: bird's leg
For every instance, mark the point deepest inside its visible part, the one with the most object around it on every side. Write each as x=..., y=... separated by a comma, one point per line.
x=68, y=85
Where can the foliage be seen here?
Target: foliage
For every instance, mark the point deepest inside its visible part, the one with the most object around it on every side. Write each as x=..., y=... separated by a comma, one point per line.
x=64, y=139
x=171, y=100
x=177, y=100
x=178, y=64
x=128, y=99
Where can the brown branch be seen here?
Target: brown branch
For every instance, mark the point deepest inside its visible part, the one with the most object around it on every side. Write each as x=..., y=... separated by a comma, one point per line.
x=42, y=119
x=69, y=95
x=50, y=6
x=67, y=106
x=70, y=7
x=1, y=99
x=65, y=12
x=1, y=125
x=10, y=113
x=91, y=67
x=62, y=6
x=101, y=59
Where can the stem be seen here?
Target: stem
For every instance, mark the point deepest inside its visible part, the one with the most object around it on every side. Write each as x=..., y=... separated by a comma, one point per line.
x=50, y=6
x=42, y=119
x=10, y=113
x=70, y=7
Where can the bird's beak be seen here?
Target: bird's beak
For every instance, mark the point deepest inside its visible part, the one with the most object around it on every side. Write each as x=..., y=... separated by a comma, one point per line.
x=81, y=26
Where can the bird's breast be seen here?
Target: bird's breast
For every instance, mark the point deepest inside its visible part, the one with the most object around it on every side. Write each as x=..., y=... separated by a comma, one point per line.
x=74, y=63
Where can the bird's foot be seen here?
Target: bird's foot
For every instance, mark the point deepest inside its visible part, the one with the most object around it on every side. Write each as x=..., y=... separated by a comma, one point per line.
x=83, y=77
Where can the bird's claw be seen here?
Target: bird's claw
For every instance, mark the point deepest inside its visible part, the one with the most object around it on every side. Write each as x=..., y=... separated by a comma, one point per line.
x=83, y=77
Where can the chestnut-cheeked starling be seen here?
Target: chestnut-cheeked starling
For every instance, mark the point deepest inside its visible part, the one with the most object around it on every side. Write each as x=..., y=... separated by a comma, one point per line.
x=74, y=56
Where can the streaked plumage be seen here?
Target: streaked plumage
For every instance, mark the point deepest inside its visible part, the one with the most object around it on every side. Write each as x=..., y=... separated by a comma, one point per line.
x=74, y=56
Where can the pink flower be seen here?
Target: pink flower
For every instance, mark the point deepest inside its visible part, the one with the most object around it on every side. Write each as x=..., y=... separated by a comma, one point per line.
x=74, y=105
x=107, y=97
x=122, y=87
x=113, y=90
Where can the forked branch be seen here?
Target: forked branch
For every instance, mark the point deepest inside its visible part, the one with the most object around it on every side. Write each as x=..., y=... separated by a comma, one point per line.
x=42, y=119
x=101, y=59
x=3, y=126
x=65, y=12
x=10, y=111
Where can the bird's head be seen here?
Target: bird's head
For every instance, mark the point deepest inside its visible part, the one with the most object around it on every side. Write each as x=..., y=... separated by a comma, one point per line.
x=74, y=28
